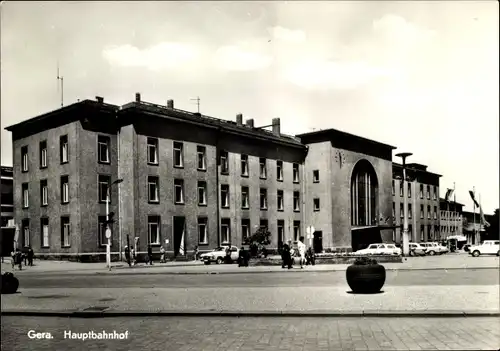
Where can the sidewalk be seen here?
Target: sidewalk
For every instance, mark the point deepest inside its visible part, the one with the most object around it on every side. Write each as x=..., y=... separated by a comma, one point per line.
x=446, y=262
x=408, y=300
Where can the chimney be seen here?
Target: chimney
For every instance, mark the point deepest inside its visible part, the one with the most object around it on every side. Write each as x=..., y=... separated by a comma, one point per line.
x=250, y=123
x=170, y=103
x=137, y=97
x=99, y=99
x=276, y=126
x=239, y=119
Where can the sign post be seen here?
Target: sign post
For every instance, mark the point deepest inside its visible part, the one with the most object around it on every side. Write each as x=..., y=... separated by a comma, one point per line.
x=108, y=248
x=310, y=232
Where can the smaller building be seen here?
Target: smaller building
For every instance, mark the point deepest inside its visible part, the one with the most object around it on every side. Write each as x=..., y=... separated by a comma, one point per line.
x=472, y=223
x=451, y=218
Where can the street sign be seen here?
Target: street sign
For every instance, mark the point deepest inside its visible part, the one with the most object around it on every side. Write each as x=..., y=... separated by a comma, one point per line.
x=310, y=230
x=108, y=233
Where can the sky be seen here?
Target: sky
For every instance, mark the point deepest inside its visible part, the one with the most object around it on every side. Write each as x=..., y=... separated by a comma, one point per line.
x=422, y=76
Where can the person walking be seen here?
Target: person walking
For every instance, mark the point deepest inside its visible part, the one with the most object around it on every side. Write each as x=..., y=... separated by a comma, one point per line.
x=288, y=254
x=196, y=253
x=150, y=255
x=31, y=255
x=302, y=251
x=162, y=255
x=127, y=256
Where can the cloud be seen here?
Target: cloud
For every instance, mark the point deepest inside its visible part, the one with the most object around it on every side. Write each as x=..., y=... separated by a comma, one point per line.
x=289, y=35
x=164, y=55
x=235, y=58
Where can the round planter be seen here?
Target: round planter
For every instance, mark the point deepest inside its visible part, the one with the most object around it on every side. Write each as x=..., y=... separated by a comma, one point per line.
x=365, y=279
x=10, y=284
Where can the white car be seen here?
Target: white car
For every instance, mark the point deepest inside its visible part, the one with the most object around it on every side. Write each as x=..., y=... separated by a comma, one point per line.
x=417, y=249
x=218, y=254
x=379, y=249
x=488, y=247
x=434, y=248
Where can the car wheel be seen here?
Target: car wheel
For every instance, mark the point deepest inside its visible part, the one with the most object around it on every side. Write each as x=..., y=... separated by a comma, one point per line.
x=219, y=260
x=476, y=253
x=432, y=253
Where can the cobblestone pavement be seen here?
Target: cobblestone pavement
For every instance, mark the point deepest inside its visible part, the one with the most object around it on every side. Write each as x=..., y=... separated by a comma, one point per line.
x=245, y=334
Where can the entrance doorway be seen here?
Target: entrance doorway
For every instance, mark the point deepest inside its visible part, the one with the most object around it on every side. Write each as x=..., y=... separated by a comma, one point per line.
x=179, y=236
x=318, y=241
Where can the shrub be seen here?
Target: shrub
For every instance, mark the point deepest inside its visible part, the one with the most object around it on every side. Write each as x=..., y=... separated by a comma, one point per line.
x=364, y=261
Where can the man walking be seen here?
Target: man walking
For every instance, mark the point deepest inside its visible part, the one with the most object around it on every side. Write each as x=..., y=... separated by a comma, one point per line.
x=150, y=255
x=302, y=251
x=127, y=256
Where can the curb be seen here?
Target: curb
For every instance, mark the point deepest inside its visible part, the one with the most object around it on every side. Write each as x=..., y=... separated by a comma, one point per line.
x=311, y=314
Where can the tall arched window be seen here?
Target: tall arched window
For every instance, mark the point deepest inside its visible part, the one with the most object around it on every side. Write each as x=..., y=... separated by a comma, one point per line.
x=364, y=195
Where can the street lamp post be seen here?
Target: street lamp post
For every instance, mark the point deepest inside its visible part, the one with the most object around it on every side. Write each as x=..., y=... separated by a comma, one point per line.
x=406, y=244
x=108, y=227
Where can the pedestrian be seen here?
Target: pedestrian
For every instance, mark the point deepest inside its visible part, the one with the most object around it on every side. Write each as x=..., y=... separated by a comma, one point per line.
x=196, y=253
x=243, y=258
x=150, y=255
x=31, y=255
x=19, y=259
x=302, y=251
x=288, y=254
x=162, y=255
x=127, y=255
x=132, y=251
x=13, y=258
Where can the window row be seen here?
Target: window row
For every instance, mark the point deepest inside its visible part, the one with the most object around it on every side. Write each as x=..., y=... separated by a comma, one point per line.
x=44, y=193
x=223, y=161
x=45, y=232
x=154, y=230
x=449, y=229
x=430, y=233
x=410, y=211
x=450, y=215
x=421, y=193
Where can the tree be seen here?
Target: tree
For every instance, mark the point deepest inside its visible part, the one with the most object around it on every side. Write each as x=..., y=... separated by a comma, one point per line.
x=493, y=230
x=260, y=237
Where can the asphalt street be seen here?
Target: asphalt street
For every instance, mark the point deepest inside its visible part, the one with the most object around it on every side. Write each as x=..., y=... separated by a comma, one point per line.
x=284, y=279
x=245, y=334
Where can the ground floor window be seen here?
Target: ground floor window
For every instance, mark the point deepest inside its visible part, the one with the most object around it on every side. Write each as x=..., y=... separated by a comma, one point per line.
x=225, y=230
x=154, y=230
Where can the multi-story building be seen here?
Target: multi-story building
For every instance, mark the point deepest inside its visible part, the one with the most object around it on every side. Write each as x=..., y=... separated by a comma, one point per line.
x=179, y=180
x=450, y=219
x=7, y=195
x=423, y=202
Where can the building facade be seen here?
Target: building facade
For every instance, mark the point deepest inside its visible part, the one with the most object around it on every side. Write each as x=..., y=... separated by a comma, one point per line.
x=183, y=180
x=423, y=203
x=472, y=224
x=451, y=218
x=7, y=195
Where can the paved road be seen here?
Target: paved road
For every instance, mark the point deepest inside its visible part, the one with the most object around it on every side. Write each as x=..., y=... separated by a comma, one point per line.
x=285, y=279
x=244, y=334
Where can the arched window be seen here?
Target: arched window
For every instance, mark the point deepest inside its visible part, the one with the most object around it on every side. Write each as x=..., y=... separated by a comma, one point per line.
x=364, y=195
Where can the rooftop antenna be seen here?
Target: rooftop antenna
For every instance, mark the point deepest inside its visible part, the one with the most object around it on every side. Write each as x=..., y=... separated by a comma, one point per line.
x=197, y=102
x=61, y=78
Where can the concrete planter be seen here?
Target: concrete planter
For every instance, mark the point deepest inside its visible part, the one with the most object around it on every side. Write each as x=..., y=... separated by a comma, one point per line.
x=10, y=284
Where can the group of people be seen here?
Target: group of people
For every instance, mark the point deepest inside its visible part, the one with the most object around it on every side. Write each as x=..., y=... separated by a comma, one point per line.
x=17, y=258
x=288, y=253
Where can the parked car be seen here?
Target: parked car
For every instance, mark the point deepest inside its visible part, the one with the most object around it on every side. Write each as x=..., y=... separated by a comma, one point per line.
x=434, y=248
x=488, y=247
x=417, y=250
x=217, y=255
x=379, y=249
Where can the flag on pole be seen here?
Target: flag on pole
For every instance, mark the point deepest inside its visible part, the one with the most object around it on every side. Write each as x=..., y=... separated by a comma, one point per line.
x=181, y=247
x=447, y=197
x=483, y=219
x=471, y=193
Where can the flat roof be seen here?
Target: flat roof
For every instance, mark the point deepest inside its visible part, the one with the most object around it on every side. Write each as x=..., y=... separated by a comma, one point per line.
x=327, y=134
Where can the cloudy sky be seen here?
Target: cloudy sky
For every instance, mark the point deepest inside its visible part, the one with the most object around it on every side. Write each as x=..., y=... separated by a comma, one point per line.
x=418, y=75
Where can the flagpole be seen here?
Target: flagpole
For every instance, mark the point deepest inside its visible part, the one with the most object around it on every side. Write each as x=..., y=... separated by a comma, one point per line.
x=474, y=220
x=454, y=202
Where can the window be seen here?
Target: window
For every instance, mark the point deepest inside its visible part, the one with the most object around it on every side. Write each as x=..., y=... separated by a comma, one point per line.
x=44, y=224
x=103, y=143
x=421, y=211
x=153, y=189
x=409, y=190
x=436, y=230
x=65, y=189
x=178, y=154
x=245, y=228
x=26, y=232
x=429, y=232
x=409, y=211
x=393, y=210
x=245, y=203
x=393, y=188
x=104, y=187
x=244, y=165
x=225, y=230
x=296, y=230
x=103, y=241
x=364, y=194
x=281, y=231
x=262, y=168
x=393, y=232
x=202, y=230
x=281, y=203
x=43, y=154
x=296, y=174
x=202, y=157
x=428, y=212
x=422, y=232
x=421, y=191
x=434, y=193
x=224, y=162
x=154, y=230
x=296, y=201
x=401, y=191
x=152, y=151
x=202, y=193
x=264, y=224
x=44, y=195
x=65, y=232
x=263, y=199
x=316, y=204
x=24, y=159
x=435, y=212
x=63, y=148
x=279, y=170
x=179, y=191
x=410, y=230
x=401, y=211
x=316, y=176
x=26, y=196
x=224, y=195
x=428, y=192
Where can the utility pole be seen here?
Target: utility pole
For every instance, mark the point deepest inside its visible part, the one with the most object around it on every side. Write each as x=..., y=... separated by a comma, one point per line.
x=197, y=102
x=406, y=245
x=61, y=78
